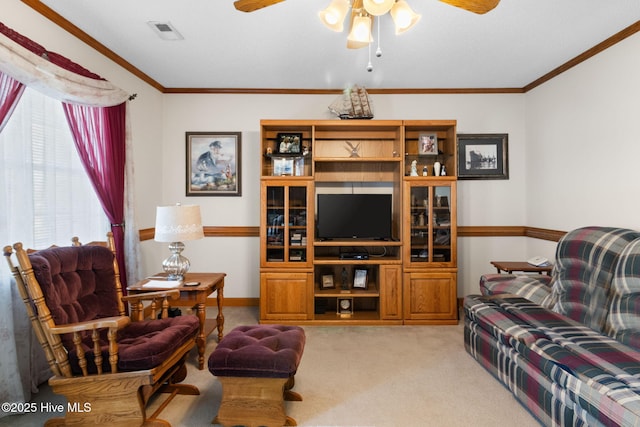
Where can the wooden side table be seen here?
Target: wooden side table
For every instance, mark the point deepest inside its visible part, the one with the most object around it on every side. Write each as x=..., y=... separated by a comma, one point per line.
x=196, y=297
x=511, y=266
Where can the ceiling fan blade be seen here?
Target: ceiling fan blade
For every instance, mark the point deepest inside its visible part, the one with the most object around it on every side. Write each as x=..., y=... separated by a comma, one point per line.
x=251, y=5
x=475, y=6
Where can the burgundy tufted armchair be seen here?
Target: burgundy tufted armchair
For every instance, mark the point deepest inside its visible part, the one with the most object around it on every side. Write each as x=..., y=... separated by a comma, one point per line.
x=100, y=358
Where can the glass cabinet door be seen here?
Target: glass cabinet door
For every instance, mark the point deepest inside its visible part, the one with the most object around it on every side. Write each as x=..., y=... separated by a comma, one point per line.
x=275, y=225
x=297, y=231
x=420, y=199
x=429, y=224
x=285, y=227
x=441, y=224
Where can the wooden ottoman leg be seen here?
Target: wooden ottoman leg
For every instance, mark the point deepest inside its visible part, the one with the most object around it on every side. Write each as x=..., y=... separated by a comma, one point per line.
x=290, y=395
x=252, y=402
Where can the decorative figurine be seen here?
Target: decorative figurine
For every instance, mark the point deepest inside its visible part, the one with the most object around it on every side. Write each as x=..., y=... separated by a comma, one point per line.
x=444, y=171
x=425, y=171
x=414, y=168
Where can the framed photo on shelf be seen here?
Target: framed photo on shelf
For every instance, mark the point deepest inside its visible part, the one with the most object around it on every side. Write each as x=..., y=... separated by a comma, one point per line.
x=483, y=156
x=428, y=144
x=213, y=163
x=283, y=166
x=327, y=281
x=360, y=278
x=289, y=143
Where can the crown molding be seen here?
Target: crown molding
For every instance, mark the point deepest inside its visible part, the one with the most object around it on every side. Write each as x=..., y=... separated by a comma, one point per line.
x=63, y=23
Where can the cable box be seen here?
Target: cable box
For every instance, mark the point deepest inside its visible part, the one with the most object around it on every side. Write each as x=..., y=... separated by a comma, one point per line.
x=354, y=255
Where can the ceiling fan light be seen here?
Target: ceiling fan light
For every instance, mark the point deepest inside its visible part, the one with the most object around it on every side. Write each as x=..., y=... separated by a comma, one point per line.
x=378, y=7
x=333, y=16
x=404, y=18
x=360, y=34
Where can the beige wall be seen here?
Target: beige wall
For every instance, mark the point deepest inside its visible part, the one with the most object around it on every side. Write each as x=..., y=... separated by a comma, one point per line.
x=572, y=149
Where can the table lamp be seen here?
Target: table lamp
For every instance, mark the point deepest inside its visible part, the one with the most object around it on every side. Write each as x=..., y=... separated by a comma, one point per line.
x=175, y=224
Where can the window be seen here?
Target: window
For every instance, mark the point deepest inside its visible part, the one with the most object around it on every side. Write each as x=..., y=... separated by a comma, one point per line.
x=48, y=197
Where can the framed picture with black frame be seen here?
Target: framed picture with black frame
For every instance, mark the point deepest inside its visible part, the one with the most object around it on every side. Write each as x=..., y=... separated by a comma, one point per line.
x=360, y=278
x=483, y=156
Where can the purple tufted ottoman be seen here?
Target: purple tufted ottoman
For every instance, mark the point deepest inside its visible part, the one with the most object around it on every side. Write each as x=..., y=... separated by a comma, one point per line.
x=256, y=367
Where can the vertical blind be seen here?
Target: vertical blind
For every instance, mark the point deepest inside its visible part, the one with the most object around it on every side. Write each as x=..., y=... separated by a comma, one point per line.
x=48, y=197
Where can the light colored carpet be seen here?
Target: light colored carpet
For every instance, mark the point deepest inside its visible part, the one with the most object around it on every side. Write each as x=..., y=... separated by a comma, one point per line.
x=360, y=376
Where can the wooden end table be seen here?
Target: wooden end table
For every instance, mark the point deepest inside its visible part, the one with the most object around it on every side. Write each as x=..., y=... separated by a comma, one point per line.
x=511, y=266
x=196, y=297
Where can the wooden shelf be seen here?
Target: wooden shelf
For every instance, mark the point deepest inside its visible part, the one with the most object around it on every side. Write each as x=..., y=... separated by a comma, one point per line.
x=351, y=293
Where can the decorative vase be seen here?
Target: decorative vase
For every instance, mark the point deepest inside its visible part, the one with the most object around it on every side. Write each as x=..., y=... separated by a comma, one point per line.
x=436, y=169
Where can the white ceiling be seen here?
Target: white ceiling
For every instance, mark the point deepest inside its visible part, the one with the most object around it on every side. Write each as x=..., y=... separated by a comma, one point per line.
x=285, y=46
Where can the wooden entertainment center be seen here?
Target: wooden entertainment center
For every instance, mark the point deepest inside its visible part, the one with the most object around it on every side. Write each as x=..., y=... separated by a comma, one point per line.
x=409, y=278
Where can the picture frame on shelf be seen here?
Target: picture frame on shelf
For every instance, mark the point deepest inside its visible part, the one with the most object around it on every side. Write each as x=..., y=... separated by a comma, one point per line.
x=483, y=156
x=427, y=144
x=213, y=163
x=327, y=282
x=283, y=166
x=360, y=278
x=289, y=143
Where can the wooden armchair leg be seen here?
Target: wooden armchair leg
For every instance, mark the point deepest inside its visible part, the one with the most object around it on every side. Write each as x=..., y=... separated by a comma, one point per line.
x=100, y=402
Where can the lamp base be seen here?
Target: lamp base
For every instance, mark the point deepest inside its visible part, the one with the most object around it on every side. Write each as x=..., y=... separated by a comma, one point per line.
x=176, y=266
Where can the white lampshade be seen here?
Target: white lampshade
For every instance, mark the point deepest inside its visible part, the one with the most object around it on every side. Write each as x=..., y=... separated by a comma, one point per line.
x=360, y=35
x=333, y=16
x=378, y=7
x=403, y=16
x=178, y=223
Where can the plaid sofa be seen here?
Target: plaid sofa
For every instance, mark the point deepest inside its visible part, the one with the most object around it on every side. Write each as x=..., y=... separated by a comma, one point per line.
x=566, y=346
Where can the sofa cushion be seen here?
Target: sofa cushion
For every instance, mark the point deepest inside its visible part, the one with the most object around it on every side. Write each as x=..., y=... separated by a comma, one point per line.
x=623, y=322
x=586, y=260
x=595, y=378
x=534, y=287
x=490, y=314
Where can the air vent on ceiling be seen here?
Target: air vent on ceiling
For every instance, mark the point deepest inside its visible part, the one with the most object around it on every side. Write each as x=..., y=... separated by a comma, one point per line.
x=165, y=30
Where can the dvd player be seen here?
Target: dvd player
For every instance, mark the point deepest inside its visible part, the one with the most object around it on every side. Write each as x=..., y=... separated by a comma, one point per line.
x=354, y=255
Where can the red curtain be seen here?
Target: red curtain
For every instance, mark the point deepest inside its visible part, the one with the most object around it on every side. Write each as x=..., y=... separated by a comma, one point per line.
x=99, y=134
x=10, y=92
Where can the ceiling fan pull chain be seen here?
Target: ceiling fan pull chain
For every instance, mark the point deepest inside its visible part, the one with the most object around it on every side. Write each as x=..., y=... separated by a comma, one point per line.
x=379, y=49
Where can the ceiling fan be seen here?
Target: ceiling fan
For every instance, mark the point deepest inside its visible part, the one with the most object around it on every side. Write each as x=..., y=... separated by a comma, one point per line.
x=475, y=6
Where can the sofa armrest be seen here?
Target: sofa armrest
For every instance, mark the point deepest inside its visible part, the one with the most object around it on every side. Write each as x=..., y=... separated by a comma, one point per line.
x=534, y=287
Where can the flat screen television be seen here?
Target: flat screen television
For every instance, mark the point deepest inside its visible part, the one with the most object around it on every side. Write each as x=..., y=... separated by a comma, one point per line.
x=354, y=216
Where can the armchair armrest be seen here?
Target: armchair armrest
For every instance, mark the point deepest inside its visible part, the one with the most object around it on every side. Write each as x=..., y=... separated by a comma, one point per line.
x=111, y=323
x=116, y=323
x=137, y=307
